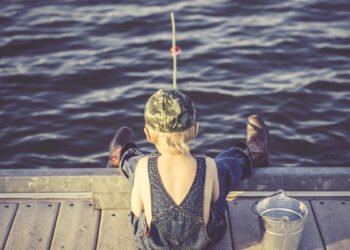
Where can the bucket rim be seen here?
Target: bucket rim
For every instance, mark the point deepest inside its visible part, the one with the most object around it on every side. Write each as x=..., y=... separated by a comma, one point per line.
x=301, y=216
x=280, y=194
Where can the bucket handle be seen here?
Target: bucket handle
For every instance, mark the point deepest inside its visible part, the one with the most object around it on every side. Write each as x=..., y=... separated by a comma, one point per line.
x=254, y=205
x=278, y=192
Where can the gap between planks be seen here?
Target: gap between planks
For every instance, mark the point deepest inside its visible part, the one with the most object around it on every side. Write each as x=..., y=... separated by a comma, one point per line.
x=317, y=225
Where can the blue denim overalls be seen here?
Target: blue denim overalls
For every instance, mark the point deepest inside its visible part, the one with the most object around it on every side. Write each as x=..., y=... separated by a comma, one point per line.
x=182, y=226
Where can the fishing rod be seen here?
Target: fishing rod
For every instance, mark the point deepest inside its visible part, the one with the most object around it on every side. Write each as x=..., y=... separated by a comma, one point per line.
x=174, y=50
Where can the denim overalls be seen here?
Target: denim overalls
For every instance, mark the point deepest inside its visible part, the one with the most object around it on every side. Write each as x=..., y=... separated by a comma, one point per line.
x=182, y=226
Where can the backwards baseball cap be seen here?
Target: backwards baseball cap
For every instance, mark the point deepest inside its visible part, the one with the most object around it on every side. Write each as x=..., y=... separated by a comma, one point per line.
x=170, y=111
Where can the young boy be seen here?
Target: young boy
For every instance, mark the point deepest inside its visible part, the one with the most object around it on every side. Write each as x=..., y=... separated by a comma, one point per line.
x=178, y=200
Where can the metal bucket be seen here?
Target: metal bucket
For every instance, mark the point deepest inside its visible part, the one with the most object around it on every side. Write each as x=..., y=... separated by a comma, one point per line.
x=281, y=220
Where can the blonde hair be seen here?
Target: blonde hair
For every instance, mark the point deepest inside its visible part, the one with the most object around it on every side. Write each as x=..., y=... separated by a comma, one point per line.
x=173, y=143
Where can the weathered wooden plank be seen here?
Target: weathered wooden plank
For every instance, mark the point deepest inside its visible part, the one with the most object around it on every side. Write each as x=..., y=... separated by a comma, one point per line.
x=81, y=195
x=58, y=172
x=245, y=225
x=311, y=239
x=77, y=226
x=247, y=233
x=111, y=193
x=112, y=200
x=116, y=183
x=297, y=179
x=264, y=179
x=7, y=214
x=115, y=231
x=226, y=242
x=45, y=184
x=333, y=218
x=33, y=226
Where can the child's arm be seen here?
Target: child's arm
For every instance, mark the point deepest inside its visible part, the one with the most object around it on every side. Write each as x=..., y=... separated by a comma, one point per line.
x=136, y=201
x=214, y=173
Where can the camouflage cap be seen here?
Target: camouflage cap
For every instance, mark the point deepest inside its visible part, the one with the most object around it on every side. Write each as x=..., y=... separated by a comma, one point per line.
x=170, y=111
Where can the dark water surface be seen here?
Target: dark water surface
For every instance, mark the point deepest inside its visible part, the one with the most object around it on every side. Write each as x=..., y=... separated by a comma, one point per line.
x=72, y=72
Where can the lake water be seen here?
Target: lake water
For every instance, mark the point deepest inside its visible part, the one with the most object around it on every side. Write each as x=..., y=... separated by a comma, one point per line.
x=73, y=72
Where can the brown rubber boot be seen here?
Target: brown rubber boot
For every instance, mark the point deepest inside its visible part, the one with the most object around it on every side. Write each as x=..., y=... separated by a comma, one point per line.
x=121, y=138
x=258, y=140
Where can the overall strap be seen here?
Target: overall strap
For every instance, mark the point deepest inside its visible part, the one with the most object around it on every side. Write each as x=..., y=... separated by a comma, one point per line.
x=194, y=200
x=159, y=200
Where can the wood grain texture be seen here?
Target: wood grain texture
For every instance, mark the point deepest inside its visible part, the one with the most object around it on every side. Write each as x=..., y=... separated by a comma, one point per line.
x=311, y=239
x=7, y=215
x=33, y=226
x=116, y=231
x=77, y=226
x=333, y=217
x=245, y=225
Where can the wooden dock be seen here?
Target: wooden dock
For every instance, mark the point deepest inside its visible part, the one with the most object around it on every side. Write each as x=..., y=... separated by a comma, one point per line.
x=60, y=209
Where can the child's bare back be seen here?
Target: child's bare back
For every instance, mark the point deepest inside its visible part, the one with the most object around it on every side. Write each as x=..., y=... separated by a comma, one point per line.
x=177, y=173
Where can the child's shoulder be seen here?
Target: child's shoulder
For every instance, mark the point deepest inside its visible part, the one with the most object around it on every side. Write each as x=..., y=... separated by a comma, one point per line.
x=210, y=163
x=142, y=163
x=211, y=166
x=144, y=160
x=208, y=160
